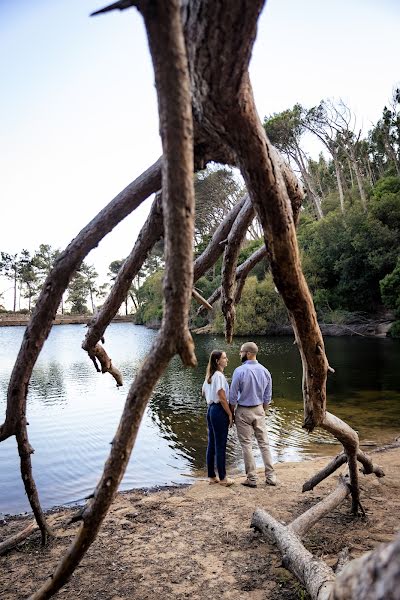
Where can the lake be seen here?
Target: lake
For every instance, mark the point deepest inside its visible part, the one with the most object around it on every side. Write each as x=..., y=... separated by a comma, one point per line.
x=73, y=411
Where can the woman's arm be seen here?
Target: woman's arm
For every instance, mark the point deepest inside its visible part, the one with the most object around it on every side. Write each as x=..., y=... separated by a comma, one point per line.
x=225, y=405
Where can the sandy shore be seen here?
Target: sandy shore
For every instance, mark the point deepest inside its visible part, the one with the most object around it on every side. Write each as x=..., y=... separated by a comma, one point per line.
x=196, y=543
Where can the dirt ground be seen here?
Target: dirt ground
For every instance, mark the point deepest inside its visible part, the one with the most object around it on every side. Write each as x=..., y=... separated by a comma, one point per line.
x=195, y=542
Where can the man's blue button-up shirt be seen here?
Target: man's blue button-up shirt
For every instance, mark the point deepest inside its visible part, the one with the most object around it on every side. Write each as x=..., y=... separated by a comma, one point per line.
x=251, y=385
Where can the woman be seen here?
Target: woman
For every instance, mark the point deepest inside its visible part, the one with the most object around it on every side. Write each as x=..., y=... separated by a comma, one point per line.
x=219, y=417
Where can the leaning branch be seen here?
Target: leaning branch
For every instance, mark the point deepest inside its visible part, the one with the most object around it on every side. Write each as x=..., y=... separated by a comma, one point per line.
x=57, y=281
x=151, y=232
x=241, y=274
x=164, y=30
x=269, y=193
x=216, y=245
x=231, y=253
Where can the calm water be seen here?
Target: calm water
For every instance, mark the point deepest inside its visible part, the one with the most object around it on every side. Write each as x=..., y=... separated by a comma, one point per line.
x=73, y=411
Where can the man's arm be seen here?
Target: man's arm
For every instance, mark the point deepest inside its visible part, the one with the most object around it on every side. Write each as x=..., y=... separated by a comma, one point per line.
x=234, y=390
x=267, y=393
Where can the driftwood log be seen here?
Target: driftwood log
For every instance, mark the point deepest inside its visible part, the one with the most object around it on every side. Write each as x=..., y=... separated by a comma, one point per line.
x=207, y=113
x=374, y=576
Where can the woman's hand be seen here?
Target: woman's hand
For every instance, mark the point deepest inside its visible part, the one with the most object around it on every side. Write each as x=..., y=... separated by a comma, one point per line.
x=230, y=419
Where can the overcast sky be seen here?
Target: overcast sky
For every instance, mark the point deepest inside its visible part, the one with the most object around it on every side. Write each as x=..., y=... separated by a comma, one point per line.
x=78, y=107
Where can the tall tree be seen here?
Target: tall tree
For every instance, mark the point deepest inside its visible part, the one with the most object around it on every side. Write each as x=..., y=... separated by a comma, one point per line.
x=9, y=269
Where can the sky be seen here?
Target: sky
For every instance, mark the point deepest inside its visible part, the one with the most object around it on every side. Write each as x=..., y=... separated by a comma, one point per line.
x=78, y=107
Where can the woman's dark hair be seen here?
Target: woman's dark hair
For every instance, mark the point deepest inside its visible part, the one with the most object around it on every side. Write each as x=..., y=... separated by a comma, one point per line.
x=212, y=364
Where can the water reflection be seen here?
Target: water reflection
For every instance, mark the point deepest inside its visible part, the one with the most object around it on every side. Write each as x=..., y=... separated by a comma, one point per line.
x=74, y=411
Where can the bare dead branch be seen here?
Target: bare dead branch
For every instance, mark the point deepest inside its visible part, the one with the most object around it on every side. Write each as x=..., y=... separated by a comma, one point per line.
x=17, y=538
x=312, y=572
x=150, y=233
x=241, y=274
x=215, y=248
x=121, y=5
x=201, y=300
x=330, y=468
x=56, y=283
x=231, y=253
x=268, y=192
x=304, y=522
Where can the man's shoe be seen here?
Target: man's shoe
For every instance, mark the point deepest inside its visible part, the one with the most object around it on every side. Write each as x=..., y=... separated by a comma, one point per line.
x=249, y=484
x=271, y=479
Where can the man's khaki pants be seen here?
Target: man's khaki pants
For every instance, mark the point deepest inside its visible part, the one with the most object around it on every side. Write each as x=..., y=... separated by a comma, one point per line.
x=251, y=421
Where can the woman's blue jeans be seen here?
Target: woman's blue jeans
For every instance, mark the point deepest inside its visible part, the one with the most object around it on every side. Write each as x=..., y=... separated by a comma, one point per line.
x=218, y=425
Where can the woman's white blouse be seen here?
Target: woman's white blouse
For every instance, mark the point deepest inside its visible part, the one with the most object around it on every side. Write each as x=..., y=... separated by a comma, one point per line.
x=210, y=390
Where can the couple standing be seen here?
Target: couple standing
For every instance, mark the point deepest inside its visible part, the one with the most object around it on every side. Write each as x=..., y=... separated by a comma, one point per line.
x=244, y=404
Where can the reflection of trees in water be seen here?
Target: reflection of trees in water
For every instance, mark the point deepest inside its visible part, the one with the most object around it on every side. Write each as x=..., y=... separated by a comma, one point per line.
x=47, y=383
x=179, y=412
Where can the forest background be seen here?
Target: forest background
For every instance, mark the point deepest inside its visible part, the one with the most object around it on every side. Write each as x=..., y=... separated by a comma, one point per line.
x=348, y=232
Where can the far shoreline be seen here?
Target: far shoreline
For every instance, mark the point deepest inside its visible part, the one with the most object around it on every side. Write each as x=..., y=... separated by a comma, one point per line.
x=371, y=328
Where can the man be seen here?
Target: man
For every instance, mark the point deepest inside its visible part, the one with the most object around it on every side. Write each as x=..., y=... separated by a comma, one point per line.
x=250, y=394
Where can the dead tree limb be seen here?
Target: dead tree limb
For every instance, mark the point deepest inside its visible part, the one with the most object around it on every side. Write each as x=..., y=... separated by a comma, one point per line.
x=164, y=29
x=267, y=189
x=216, y=245
x=57, y=281
x=17, y=538
x=150, y=233
x=304, y=522
x=338, y=461
x=41, y=322
x=376, y=575
x=241, y=274
x=199, y=298
x=231, y=253
x=330, y=468
x=312, y=572
x=349, y=438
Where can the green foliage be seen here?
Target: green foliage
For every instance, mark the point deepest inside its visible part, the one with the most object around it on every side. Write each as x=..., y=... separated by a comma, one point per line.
x=390, y=289
x=386, y=185
x=150, y=294
x=260, y=309
x=347, y=257
x=394, y=331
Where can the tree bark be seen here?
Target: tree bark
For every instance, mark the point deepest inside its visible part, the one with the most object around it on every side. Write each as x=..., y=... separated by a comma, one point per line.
x=231, y=253
x=151, y=232
x=312, y=572
x=374, y=576
x=162, y=19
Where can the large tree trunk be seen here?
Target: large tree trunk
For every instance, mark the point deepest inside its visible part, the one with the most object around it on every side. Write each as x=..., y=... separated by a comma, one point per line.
x=207, y=112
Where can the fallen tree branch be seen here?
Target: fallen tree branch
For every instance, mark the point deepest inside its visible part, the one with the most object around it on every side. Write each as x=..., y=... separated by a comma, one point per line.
x=17, y=538
x=330, y=468
x=312, y=572
x=304, y=522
